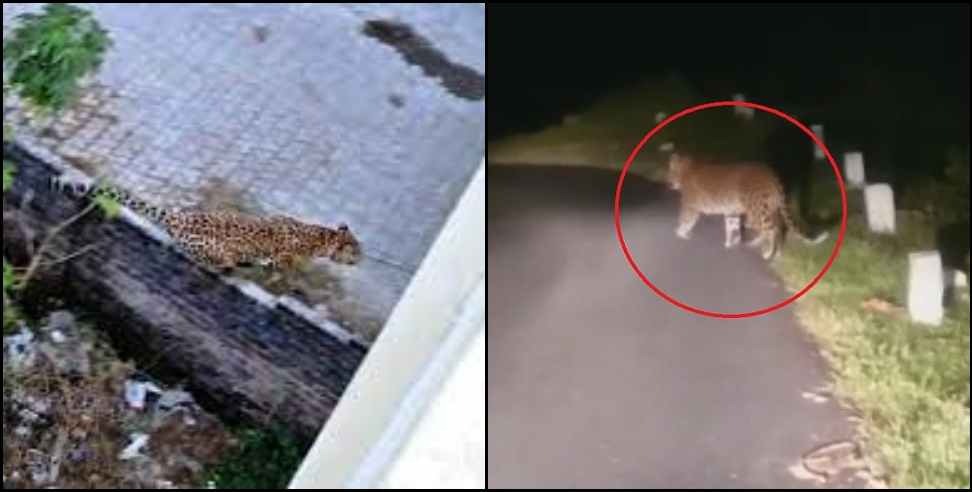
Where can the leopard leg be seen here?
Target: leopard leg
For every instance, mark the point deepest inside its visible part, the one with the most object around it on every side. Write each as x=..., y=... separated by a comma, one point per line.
x=283, y=261
x=733, y=230
x=751, y=225
x=687, y=218
x=771, y=232
x=769, y=248
x=279, y=266
x=773, y=247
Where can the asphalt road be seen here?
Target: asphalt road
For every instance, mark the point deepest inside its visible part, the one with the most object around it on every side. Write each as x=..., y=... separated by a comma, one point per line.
x=594, y=381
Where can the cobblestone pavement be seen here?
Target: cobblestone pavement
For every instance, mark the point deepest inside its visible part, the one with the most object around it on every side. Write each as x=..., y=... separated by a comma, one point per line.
x=370, y=114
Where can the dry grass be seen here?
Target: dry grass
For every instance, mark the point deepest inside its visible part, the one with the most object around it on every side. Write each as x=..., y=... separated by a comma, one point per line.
x=65, y=427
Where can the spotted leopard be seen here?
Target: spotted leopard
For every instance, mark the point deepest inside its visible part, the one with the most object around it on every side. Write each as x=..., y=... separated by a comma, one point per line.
x=747, y=189
x=224, y=240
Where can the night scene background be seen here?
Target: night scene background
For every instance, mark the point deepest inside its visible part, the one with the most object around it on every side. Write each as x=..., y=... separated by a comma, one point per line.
x=890, y=80
x=583, y=356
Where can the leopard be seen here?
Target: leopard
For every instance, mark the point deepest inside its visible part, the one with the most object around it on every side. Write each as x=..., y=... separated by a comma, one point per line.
x=223, y=240
x=749, y=189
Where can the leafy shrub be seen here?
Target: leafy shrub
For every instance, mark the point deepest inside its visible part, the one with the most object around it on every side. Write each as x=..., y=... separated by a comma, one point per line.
x=48, y=54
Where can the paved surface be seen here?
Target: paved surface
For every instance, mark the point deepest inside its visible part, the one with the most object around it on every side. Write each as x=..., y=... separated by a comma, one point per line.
x=596, y=382
x=295, y=108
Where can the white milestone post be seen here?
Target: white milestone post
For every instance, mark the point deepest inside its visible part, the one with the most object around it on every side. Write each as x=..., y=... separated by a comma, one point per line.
x=879, y=203
x=854, y=170
x=926, y=287
x=818, y=152
x=742, y=111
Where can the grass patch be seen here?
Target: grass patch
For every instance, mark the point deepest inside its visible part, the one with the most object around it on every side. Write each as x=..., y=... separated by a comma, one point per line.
x=265, y=459
x=909, y=383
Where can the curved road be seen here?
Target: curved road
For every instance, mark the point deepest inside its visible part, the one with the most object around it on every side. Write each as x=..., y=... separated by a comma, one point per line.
x=594, y=381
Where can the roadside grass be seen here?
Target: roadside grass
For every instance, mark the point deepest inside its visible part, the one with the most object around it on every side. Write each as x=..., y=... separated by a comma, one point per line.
x=908, y=383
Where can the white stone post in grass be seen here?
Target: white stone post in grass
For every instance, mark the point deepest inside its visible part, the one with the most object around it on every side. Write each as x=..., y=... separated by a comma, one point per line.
x=742, y=111
x=879, y=203
x=925, y=287
x=818, y=152
x=854, y=169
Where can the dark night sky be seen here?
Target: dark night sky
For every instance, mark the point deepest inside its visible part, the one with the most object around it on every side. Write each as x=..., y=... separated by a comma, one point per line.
x=547, y=60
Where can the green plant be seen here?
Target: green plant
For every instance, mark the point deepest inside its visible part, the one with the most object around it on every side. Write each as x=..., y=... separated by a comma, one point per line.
x=265, y=459
x=108, y=206
x=49, y=53
x=8, y=276
x=10, y=315
x=8, y=167
x=47, y=56
x=8, y=175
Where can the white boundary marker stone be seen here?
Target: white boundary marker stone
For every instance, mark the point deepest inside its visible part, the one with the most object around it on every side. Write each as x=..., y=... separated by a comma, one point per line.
x=879, y=203
x=817, y=151
x=957, y=282
x=744, y=112
x=958, y=278
x=925, y=287
x=854, y=169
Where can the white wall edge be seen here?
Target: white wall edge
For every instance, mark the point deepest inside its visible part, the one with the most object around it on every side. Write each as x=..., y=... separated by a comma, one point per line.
x=407, y=440
x=427, y=335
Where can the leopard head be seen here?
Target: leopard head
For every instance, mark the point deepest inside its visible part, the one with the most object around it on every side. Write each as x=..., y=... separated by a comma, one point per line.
x=340, y=245
x=677, y=166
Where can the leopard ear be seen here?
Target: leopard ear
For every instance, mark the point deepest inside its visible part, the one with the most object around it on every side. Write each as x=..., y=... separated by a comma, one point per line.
x=343, y=227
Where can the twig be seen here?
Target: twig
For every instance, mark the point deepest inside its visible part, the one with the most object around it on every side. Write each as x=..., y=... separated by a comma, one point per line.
x=35, y=261
x=69, y=257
